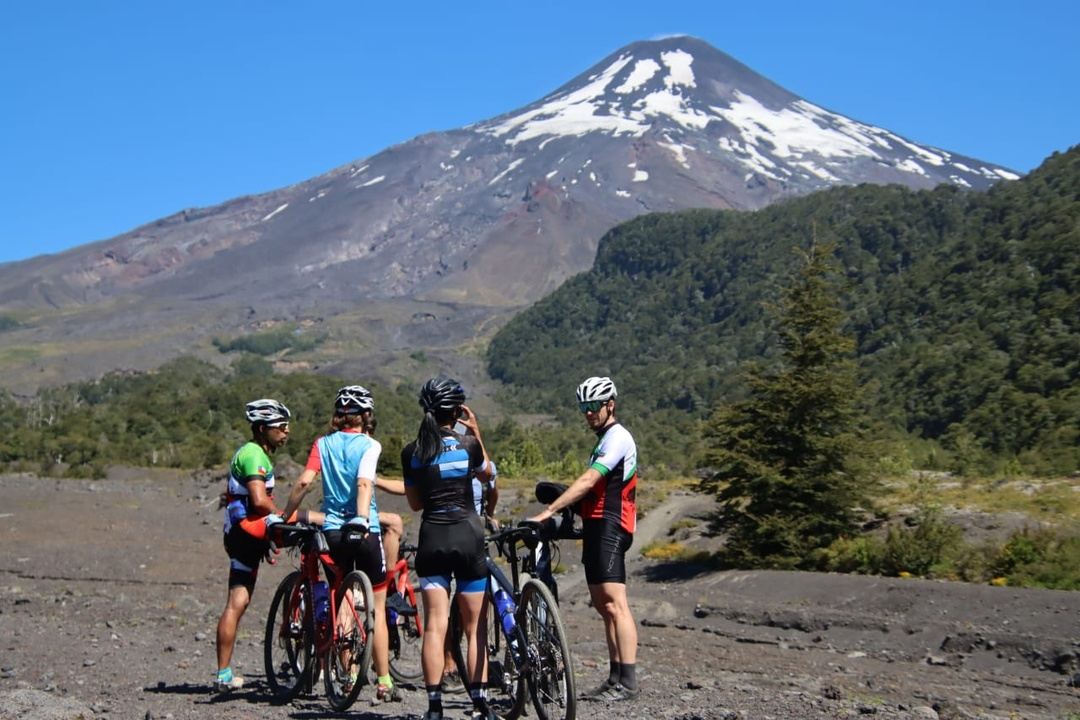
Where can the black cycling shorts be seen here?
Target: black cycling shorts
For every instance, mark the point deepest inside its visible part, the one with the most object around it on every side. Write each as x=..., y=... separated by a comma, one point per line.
x=366, y=556
x=603, y=553
x=452, y=549
x=245, y=553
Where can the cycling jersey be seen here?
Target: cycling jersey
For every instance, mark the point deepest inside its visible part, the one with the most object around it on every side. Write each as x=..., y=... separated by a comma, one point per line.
x=342, y=457
x=481, y=489
x=250, y=461
x=446, y=483
x=614, y=497
x=451, y=541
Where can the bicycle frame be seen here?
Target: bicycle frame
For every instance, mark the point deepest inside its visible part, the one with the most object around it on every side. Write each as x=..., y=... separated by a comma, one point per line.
x=535, y=660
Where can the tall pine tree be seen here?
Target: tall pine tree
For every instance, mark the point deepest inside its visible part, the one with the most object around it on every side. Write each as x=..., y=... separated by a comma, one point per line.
x=785, y=459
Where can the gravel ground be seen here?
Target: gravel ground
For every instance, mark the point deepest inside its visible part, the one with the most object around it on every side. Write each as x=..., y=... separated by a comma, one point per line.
x=111, y=590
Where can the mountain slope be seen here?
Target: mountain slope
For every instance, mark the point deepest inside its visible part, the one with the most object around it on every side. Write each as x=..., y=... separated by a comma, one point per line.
x=965, y=306
x=494, y=215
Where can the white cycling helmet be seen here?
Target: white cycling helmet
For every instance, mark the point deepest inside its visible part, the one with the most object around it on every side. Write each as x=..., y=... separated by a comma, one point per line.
x=353, y=399
x=596, y=388
x=266, y=412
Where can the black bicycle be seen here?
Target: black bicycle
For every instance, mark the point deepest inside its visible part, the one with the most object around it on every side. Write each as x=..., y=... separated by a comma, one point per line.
x=528, y=652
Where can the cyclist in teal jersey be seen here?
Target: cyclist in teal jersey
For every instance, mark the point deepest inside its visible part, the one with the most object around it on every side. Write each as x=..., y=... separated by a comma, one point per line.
x=606, y=495
x=346, y=458
x=249, y=506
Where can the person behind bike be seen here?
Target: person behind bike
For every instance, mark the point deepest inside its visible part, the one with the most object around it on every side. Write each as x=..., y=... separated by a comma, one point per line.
x=439, y=467
x=607, y=493
x=248, y=504
x=346, y=458
x=393, y=529
x=485, y=498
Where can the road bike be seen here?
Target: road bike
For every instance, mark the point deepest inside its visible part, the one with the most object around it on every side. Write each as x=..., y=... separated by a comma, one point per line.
x=528, y=653
x=318, y=627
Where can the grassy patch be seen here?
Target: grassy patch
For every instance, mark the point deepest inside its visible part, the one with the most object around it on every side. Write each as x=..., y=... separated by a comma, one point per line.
x=669, y=551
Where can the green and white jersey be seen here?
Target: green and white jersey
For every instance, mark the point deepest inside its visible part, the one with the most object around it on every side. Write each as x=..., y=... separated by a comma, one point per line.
x=249, y=461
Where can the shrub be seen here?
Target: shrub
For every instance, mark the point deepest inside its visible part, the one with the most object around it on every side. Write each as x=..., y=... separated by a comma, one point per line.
x=922, y=549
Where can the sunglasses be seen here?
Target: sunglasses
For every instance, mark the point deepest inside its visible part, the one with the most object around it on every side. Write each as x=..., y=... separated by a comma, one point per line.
x=278, y=426
x=591, y=406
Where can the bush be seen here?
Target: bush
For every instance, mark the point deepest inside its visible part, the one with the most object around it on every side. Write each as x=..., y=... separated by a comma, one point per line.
x=1040, y=558
x=863, y=554
x=920, y=550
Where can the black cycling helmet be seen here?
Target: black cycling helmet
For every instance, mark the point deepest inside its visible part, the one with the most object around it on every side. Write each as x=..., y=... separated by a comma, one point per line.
x=441, y=394
x=353, y=400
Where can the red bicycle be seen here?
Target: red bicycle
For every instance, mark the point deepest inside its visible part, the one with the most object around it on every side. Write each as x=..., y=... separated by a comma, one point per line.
x=318, y=627
x=406, y=629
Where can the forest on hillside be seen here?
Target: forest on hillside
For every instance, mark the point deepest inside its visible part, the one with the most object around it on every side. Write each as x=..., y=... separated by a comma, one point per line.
x=965, y=308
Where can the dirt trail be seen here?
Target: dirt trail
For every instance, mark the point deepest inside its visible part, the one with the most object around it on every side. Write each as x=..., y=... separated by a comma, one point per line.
x=110, y=591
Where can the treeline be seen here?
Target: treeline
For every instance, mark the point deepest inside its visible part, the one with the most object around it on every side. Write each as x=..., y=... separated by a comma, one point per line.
x=965, y=308
x=190, y=414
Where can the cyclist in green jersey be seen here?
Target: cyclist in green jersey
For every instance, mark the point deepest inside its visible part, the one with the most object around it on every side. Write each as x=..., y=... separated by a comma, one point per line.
x=249, y=509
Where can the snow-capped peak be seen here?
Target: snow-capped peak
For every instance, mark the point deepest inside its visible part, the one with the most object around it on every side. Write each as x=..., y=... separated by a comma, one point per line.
x=683, y=85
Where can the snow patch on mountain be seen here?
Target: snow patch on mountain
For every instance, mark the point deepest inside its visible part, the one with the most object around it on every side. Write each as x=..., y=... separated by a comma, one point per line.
x=275, y=212
x=570, y=114
x=678, y=62
x=641, y=74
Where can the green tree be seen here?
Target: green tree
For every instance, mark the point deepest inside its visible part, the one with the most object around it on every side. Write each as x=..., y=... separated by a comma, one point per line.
x=784, y=459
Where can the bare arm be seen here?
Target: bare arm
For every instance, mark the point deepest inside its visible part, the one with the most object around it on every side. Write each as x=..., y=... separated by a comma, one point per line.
x=296, y=494
x=412, y=494
x=394, y=487
x=472, y=425
x=574, y=493
x=259, y=501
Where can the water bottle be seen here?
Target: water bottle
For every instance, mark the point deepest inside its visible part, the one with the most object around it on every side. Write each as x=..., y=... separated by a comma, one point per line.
x=504, y=604
x=322, y=602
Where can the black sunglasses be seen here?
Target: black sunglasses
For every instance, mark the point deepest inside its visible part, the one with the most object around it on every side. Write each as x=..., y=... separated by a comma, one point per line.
x=591, y=406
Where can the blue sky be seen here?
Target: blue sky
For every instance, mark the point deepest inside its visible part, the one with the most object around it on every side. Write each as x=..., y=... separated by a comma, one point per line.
x=119, y=113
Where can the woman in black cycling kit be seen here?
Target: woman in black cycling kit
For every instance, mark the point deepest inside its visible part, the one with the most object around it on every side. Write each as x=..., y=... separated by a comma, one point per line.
x=439, y=467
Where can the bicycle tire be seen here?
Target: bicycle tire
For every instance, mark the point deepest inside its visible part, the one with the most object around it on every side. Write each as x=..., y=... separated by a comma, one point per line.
x=406, y=637
x=551, y=672
x=506, y=684
x=347, y=659
x=289, y=641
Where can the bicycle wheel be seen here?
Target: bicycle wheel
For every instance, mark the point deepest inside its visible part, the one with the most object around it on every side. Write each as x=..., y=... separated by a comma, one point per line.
x=505, y=682
x=406, y=634
x=348, y=657
x=288, y=646
x=551, y=677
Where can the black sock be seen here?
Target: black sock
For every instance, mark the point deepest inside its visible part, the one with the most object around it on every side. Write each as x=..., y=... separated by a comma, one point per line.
x=434, y=698
x=628, y=676
x=478, y=696
x=613, y=672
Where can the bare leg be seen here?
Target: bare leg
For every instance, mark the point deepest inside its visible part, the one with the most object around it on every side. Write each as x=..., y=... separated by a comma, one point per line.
x=235, y=605
x=611, y=602
x=393, y=529
x=472, y=607
x=436, y=617
x=381, y=647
